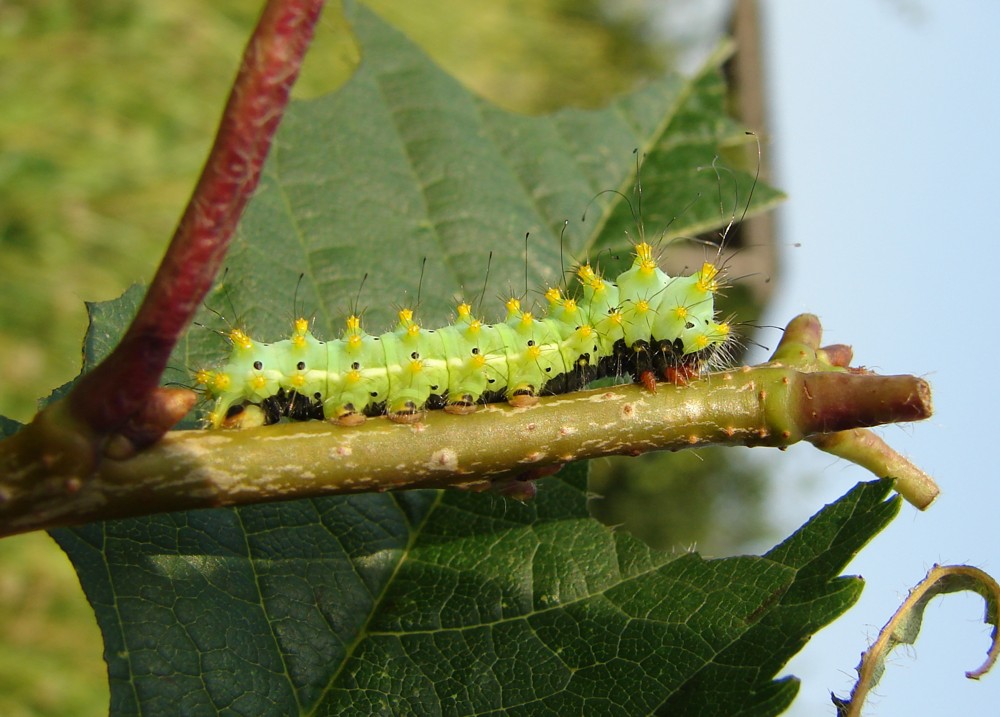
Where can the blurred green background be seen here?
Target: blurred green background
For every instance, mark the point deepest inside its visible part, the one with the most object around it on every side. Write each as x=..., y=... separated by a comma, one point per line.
x=108, y=111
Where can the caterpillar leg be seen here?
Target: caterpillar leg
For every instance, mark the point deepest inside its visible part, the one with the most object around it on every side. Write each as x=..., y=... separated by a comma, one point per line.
x=347, y=415
x=648, y=381
x=461, y=406
x=523, y=396
x=244, y=416
x=680, y=375
x=406, y=412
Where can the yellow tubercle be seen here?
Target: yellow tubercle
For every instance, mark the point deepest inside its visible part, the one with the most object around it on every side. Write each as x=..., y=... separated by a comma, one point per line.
x=569, y=306
x=513, y=305
x=405, y=316
x=464, y=310
x=707, y=278
x=413, y=330
x=240, y=339
x=204, y=377
x=527, y=319
x=644, y=257
x=681, y=312
x=220, y=381
x=353, y=324
x=477, y=360
x=474, y=327
x=352, y=376
x=301, y=326
x=353, y=342
x=596, y=283
x=299, y=341
x=534, y=352
x=298, y=380
x=416, y=366
x=553, y=295
x=641, y=306
x=258, y=382
x=586, y=274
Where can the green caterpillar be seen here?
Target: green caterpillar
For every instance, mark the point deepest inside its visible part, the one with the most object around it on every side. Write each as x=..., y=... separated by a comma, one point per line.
x=644, y=324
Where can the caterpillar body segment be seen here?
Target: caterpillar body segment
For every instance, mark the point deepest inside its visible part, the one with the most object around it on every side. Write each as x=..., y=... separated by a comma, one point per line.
x=645, y=324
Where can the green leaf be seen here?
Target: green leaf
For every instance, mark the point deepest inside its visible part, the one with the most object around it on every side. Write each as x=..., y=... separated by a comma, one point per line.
x=429, y=603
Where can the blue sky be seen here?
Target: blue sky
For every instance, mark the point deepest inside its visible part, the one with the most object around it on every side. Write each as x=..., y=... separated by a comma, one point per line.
x=883, y=130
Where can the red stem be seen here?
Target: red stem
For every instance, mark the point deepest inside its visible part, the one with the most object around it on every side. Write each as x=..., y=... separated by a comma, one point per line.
x=113, y=392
